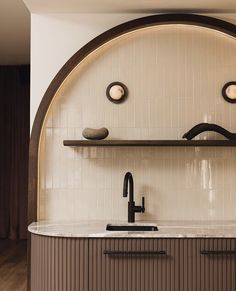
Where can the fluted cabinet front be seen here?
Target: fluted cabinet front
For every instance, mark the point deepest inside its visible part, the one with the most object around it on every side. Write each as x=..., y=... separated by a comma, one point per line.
x=162, y=264
x=59, y=264
x=133, y=264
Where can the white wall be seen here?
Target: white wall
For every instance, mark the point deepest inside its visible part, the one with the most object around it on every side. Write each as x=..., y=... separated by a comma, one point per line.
x=56, y=37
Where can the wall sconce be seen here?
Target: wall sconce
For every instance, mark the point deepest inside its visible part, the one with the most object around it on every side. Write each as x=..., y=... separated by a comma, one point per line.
x=229, y=92
x=117, y=92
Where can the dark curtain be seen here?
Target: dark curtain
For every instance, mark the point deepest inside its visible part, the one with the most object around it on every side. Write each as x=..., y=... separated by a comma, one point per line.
x=14, y=147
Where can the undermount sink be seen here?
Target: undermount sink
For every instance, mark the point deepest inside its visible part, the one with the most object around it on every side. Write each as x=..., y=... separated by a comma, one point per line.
x=131, y=227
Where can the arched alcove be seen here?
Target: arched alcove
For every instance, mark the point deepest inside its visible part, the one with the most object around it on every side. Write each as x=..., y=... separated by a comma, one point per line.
x=174, y=64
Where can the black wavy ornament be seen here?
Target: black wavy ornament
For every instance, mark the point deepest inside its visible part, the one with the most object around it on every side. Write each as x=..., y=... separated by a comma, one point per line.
x=201, y=127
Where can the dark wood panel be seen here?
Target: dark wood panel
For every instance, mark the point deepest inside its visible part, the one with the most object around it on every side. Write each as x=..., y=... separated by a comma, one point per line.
x=150, y=143
x=13, y=266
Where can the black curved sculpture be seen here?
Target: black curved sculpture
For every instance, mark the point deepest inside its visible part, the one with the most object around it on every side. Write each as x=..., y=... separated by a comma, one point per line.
x=201, y=127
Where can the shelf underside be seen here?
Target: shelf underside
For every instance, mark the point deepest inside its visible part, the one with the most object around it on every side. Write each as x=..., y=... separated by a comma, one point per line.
x=150, y=143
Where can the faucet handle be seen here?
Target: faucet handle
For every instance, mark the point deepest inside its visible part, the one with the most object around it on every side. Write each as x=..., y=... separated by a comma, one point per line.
x=143, y=204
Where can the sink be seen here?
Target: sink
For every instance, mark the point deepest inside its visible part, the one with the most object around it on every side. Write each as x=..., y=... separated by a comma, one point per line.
x=131, y=227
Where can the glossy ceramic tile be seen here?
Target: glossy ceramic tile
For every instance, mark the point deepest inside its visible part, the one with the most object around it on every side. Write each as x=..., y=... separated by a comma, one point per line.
x=174, y=75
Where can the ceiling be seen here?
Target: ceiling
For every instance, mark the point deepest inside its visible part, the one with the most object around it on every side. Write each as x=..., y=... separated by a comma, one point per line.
x=129, y=6
x=14, y=33
x=15, y=17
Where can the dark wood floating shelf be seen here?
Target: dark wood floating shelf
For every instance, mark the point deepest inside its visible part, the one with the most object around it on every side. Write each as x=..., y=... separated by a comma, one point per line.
x=150, y=143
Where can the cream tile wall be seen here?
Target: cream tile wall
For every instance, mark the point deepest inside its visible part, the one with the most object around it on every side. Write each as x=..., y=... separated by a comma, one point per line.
x=174, y=75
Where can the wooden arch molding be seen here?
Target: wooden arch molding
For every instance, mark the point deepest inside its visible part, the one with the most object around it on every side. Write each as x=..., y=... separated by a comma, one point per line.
x=189, y=19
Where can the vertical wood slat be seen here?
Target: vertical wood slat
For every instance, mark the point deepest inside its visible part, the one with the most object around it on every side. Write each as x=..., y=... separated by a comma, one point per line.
x=59, y=264
x=125, y=273
x=183, y=269
x=78, y=264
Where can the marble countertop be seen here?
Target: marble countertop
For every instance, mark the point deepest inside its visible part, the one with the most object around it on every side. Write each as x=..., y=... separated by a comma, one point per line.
x=167, y=229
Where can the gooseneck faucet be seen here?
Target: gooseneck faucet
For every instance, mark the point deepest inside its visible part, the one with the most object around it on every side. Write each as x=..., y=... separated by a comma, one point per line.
x=131, y=204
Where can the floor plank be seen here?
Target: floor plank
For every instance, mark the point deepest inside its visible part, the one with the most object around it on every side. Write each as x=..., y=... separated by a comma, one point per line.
x=13, y=265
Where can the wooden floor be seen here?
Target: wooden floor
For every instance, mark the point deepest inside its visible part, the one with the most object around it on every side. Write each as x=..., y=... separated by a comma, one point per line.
x=13, y=268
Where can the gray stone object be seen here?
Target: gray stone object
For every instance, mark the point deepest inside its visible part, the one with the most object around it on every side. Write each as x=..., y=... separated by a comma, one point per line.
x=95, y=134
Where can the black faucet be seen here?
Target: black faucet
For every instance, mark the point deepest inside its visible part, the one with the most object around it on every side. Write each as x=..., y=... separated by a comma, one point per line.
x=131, y=204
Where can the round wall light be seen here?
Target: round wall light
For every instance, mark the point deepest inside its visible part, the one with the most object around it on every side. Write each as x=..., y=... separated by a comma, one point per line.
x=117, y=92
x=229, y=92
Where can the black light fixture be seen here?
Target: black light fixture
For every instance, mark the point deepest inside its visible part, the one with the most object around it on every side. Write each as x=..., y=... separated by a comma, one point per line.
x=229, y=92
x=117, y=92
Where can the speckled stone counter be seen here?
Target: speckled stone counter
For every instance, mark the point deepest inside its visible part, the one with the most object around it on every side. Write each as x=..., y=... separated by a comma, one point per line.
x=167, y=229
